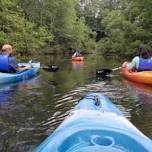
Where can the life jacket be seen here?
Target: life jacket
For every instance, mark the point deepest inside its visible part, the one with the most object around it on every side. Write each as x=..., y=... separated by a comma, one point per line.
x=145, y=64
x=4, y=64
x=77, y=54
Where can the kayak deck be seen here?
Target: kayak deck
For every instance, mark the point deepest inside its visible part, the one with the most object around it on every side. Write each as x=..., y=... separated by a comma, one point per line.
x=98, y=127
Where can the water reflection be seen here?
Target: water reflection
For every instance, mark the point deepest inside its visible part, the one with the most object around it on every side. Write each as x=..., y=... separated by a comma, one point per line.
x=77, y=65
x=138, y=88
x=12, y=111
x=141, y=112
x=7, y=91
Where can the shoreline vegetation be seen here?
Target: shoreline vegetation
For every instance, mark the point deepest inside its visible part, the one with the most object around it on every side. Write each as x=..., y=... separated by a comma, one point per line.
x=107, y=27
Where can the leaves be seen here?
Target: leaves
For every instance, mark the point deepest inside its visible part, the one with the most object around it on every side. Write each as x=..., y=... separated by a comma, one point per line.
x=33, y=24
x=120, y=25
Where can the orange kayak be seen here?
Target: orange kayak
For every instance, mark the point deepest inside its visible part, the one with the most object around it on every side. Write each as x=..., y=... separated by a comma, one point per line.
x=144, y=77
x=79, y=58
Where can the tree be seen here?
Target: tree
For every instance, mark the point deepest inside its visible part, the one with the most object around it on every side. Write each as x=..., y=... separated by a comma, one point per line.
x=19, y=32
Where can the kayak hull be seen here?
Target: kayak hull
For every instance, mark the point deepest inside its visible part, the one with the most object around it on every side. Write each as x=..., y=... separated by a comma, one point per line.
x=97, y=125
x=6, y=78
x=144, y=77
x=77, y=58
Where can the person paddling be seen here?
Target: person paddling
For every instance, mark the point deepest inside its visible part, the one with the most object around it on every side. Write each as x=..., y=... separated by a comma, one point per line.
x=8, y=63
x=76, y=53
x=141, y=62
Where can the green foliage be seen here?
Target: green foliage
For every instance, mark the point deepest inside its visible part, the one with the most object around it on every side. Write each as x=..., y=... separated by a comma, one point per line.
x=127, y=27
x=19, y=32
x=30, y=25
x=126, y=24
x=34, y=24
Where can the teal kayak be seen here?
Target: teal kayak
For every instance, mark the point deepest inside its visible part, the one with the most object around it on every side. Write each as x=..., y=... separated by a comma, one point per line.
x=96, y=125
x=6, y=78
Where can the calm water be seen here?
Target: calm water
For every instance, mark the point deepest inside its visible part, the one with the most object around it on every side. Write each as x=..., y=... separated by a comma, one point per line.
x=31, y=110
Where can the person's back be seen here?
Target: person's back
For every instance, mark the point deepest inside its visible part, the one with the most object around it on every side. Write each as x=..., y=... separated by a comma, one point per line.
x=76, y=53
x=141, y=62
x=8, y=63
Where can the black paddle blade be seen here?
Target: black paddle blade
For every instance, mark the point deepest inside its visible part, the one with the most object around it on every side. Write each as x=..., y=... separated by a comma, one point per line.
x=50, y=68
x=103, y=72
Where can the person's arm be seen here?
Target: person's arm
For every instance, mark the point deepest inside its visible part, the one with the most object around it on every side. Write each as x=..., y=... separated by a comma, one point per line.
x=14, y=65
x=24, y=68
x=74, y=54
x=134, y=64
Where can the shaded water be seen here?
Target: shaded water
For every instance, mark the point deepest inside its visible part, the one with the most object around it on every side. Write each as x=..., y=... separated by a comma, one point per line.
x=31, y=110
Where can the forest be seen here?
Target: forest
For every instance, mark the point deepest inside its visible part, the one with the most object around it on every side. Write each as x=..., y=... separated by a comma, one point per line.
x=101, y=26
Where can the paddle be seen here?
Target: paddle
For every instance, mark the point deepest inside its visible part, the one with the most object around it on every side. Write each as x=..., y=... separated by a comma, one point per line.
x=104, y=72
x=50, y=68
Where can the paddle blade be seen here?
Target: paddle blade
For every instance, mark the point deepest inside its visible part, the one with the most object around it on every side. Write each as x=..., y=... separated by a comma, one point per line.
x=50, y=68
x=103, y=72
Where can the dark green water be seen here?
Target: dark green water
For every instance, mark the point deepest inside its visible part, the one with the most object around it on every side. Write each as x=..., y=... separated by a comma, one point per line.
x=31, y=110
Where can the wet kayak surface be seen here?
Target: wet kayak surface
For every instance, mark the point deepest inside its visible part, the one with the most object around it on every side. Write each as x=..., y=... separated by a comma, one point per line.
x=32, y=109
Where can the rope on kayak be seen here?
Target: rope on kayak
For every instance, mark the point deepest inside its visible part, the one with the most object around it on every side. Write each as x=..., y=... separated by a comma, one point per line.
x=97, y=101
x=93, y=97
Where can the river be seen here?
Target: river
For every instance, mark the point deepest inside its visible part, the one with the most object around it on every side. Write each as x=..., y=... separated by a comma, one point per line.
x=31, y=110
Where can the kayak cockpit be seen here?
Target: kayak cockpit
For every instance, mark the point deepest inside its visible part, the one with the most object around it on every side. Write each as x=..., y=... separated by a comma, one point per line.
x=100, y=141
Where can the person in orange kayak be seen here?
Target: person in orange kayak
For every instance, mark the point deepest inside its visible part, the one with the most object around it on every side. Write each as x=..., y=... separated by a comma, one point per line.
x=8, y=63
x=76, y=53
x=141, y=62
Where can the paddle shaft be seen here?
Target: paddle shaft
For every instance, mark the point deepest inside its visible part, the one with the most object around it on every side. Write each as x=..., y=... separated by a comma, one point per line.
x=104, y=72
x=115, y=69
x=51, y=68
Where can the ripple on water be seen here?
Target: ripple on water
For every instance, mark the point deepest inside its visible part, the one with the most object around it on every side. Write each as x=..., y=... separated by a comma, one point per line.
x=70, y=99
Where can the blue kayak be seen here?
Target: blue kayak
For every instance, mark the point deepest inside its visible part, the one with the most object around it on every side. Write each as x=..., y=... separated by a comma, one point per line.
x=15, y=77
x=96, y=125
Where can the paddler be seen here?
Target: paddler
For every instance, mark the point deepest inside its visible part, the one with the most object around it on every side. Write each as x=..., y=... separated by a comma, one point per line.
x=142, y=61
x=8, y=63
